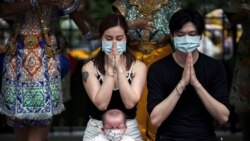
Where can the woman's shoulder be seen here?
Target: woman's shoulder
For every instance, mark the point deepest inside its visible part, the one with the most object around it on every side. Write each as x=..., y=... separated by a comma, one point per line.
x=89, y=66
x=139, y=65
x=139, y=68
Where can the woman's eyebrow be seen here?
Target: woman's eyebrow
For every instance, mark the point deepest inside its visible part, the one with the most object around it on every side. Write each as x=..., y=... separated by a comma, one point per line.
x=109, y=36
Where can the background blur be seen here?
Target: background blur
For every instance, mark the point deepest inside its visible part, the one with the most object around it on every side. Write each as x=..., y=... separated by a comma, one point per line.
x=219, y=42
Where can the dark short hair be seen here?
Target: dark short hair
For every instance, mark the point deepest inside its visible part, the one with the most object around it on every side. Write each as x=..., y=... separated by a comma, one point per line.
x=184, y=16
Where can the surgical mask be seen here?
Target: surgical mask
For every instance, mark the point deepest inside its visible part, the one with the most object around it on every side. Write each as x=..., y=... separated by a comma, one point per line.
x=186, y=43
x=107, y=46
x=114, y=134
x=121, y=47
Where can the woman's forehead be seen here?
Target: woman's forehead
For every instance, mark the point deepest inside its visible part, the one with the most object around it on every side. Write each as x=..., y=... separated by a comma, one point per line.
x=117, y=30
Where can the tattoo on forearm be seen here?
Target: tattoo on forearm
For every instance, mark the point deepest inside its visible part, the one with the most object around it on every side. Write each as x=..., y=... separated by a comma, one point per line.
x=85, y=76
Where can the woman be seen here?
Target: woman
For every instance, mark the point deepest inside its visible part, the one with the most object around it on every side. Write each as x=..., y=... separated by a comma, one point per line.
x=114, y=79
x=31, y=81
x=149, y=39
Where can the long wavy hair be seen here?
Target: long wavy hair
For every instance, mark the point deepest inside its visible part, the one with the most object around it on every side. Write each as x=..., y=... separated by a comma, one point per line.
x=110, y=21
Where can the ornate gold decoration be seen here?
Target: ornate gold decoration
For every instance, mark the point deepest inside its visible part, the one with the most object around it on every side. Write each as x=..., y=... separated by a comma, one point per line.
x=148, y=7
x=117, y=5
x=145, y=47
x=30, y=41
x=50, y=52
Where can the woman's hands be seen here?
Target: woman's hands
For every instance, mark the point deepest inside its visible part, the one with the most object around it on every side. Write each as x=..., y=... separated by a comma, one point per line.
x=115, y=62
x=119, y=66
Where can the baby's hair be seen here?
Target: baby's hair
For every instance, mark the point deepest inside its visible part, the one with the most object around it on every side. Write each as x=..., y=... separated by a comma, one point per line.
x=113, y=113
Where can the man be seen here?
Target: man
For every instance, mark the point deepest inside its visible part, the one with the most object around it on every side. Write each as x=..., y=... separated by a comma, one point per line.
x=187, y=89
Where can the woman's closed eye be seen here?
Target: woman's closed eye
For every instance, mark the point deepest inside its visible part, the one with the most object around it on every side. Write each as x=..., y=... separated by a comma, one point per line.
x=117, y=38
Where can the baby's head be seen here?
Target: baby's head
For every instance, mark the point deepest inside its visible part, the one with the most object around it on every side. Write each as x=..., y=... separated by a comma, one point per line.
x=114, y=119
x=114, y=124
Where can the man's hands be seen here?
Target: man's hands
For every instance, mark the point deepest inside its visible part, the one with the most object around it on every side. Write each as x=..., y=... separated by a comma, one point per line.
x=188, y=75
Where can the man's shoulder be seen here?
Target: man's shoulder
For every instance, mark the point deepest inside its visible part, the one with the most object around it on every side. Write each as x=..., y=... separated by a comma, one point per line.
x=163, y=61
x=209, y=60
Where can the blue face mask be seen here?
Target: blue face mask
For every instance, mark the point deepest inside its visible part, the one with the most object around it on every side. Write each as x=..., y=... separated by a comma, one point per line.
x=121, y=47
x=186, y=43
x=107, y=46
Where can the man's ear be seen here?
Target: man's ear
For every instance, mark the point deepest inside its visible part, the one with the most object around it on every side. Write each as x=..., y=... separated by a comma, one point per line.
x=102, y=129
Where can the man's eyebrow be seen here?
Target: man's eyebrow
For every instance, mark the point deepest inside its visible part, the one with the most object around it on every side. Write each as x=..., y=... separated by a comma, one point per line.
x=186, y=32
